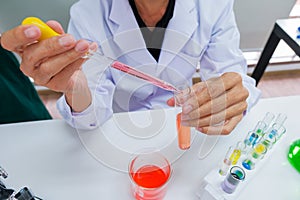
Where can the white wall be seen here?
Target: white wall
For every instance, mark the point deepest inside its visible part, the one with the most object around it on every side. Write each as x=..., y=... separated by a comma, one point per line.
x=256, y=18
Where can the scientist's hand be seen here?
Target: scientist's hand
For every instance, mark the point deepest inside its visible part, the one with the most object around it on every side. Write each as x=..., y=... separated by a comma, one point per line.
x=54, y=62
x=217, y=105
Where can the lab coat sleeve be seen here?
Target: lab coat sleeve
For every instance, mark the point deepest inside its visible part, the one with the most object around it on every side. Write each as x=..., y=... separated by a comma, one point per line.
x=101, y=87
x=224, y=55
x=101, y=107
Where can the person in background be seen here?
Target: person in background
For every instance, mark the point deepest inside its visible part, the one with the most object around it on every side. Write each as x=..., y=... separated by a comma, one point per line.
x=165, y=38
x=19, y=101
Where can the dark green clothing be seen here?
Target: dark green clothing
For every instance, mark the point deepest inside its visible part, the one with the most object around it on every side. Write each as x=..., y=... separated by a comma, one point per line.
x=19, y=100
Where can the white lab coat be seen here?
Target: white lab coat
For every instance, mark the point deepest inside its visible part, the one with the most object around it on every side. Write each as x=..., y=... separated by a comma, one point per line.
x=200, y=31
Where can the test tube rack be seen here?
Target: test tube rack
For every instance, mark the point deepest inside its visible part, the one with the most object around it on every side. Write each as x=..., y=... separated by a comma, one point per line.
x=210, y=188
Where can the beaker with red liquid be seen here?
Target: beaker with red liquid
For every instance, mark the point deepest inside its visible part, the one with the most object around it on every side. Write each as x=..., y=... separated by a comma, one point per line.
x=149, y=174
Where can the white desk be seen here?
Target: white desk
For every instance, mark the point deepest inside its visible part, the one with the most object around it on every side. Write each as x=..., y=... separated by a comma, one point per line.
x=58, y=162
x=285, y=29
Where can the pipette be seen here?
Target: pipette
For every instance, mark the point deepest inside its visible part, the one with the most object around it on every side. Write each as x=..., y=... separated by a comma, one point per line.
x=47, y=32
x=134, y=72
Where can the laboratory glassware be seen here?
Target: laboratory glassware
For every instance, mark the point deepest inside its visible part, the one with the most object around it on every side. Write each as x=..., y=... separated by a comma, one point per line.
x=149, y=174
x=183, y=132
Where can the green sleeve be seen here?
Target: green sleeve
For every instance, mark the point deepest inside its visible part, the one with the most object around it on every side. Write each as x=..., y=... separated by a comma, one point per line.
x=19, y=100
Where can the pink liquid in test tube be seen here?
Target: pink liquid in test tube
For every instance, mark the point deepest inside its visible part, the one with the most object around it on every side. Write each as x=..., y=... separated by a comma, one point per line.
x=153, y=80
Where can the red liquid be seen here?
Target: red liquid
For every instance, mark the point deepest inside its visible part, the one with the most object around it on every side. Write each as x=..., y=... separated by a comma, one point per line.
x=184, y=134
x=150, y=176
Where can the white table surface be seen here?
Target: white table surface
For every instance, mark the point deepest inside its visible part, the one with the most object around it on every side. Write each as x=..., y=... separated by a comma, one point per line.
x=58, y=162
x=290, y=26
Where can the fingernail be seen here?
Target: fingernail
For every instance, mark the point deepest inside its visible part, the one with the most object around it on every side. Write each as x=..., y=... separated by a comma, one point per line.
x=187, y=109
x=94, y=47
x=31, y=32
x=66, y=41
x=81, y=46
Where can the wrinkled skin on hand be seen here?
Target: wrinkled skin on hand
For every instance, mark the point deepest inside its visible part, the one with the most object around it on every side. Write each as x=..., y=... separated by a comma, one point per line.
x=54, y=63
x=215, y=106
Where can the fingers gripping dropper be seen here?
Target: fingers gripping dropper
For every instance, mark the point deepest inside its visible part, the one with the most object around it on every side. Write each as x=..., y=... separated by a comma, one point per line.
x=47, y=32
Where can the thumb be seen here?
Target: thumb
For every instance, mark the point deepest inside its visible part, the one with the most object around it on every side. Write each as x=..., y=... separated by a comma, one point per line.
x=171, y=102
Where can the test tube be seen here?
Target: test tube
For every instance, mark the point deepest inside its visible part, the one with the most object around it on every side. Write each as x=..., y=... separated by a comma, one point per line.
x=226, y=162
x=257, y=153
x=232, y=180
x=183, y=132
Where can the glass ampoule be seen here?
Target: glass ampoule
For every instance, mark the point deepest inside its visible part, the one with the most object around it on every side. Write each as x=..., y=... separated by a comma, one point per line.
x=237, y=152
x=256, y=154
x=226, y=162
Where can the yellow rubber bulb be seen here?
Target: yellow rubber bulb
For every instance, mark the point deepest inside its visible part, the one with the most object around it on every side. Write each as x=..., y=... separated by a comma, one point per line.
x=46, y=31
